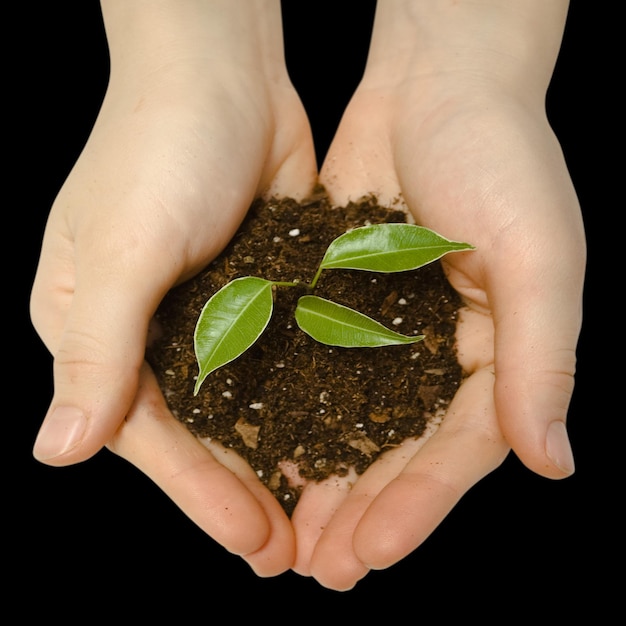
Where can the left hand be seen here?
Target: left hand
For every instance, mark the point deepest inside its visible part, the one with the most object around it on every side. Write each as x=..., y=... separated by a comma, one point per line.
x=478, y=166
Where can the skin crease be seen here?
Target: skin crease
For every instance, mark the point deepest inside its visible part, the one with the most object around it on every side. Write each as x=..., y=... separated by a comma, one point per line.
x=457, y=130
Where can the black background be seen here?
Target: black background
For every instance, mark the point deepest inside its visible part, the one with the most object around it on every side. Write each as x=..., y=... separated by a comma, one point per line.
x=100, y=534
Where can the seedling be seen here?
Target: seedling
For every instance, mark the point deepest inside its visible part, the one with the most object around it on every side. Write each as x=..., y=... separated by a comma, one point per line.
x=236, y=315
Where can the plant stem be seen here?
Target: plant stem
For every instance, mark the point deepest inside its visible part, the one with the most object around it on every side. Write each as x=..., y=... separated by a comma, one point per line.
x=316, y=277
x=279, y=283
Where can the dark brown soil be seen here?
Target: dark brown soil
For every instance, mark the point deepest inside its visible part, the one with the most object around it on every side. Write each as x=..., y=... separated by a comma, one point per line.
x=289, y=397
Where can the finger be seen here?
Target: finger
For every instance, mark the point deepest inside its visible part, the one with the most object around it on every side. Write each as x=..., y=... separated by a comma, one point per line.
x=359, y=160
x=277, y=554
x=95, y=325
x=316, y=506
x=228, y=503
x=292, y=163
x=334, y=563
x=467, y=447
x=537, y=324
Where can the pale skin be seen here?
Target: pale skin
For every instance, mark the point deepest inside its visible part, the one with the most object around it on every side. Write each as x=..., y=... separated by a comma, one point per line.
x=450, y=117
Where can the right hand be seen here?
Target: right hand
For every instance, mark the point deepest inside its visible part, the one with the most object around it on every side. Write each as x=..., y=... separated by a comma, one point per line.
x=450, y=118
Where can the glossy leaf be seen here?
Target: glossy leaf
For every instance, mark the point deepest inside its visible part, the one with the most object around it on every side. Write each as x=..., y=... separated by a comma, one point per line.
x=388, y=248
x=230, y=322
x=337, y=325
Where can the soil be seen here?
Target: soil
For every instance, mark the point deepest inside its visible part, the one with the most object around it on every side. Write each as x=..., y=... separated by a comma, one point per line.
x=289, y=398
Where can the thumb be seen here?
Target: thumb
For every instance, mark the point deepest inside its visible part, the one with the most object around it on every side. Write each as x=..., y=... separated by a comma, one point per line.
x=535, y=361
x=98, y=343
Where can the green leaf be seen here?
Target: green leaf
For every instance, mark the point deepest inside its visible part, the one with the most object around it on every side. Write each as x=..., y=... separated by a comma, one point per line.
x=338, y=325
x=230, y=322
x=388, y=248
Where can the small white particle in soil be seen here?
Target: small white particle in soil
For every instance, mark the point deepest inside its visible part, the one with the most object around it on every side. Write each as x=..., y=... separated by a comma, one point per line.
x=397, y=321
x=256, y=406
x=196, y=411
x=227, y=394
x=402, y=301
x=277, y=239
x=294, y=232
x=170, y=372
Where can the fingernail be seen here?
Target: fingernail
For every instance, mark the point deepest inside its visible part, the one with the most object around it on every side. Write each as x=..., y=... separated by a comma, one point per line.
x=558, y=447
x=61, y=431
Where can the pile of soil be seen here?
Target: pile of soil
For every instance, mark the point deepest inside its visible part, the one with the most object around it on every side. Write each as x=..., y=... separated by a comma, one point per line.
x=289, y=398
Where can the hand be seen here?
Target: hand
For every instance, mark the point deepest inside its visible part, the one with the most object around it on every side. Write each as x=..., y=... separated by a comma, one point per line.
x=472, y=155
x=198, y=120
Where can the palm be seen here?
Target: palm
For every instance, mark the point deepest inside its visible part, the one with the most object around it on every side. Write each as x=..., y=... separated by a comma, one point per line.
x=161, y=188
x=498, y=182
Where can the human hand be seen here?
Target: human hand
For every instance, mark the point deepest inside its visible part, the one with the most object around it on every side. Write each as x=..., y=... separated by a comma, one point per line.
x=198, y=120
x=459, y=132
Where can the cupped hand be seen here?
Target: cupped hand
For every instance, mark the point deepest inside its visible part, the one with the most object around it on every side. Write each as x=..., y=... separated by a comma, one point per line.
x=478, y=166
x=183, y=143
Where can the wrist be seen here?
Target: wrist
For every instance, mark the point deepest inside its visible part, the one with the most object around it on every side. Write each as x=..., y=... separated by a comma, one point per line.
x=150, y=39
x=510, y=45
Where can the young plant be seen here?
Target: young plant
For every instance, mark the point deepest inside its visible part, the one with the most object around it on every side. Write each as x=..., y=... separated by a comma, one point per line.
x=236, y=315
